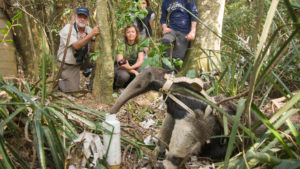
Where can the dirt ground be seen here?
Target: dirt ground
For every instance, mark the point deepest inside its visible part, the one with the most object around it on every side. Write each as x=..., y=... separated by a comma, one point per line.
x=142, y=117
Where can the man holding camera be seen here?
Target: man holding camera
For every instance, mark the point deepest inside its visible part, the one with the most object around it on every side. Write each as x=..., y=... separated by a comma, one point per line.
x=82, y=41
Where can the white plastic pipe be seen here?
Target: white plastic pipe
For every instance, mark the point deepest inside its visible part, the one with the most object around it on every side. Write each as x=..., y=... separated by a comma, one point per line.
x=112, y=142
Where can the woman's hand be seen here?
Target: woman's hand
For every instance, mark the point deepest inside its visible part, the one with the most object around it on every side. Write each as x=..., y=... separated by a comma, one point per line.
x=126, y=66
x=134, y=72
x=129, y=69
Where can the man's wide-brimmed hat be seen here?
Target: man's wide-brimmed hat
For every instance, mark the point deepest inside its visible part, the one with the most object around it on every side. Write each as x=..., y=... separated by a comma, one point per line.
x=83, y=10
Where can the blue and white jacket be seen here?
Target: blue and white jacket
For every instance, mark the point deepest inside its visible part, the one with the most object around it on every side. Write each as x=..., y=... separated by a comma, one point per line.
x=179, y=20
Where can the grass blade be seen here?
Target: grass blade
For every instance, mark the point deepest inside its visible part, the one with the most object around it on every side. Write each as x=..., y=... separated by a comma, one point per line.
x=287, y=106
x=18, y=158
x=294, y=131
x=5, y=158
x=39, y=138
x=8, y=119
x=52, y=144
x=272, y=129
x=64, y=120
x=240, y=110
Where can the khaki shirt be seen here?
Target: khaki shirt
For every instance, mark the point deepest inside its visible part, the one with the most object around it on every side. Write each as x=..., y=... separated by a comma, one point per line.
x=75, y=36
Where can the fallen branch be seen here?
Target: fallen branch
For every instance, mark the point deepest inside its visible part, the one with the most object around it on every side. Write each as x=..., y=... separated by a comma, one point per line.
x=233, y=97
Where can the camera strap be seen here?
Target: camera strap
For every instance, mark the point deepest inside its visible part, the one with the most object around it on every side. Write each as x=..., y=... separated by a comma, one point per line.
x=63, y=60
x=84, y=48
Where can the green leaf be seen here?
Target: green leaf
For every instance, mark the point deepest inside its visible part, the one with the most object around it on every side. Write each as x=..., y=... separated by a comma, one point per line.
x=4, y=32
x=8, y=119
x=8, y=24
x=178, y=62
x=9, y=41
x=17, y=156
x=163, y=47
x=240, y=110
x=191, y=73
x=39, y=138
x=146, y=62
x=17, y=16
x=5, y=158
x=144, y=42
x=272, y=129
x=290, y=164
x=141, y=16
x=167, y=62
x=52, y=144
x=17, y=25
x=294, y=131
x=290, y=103
x=64, y=120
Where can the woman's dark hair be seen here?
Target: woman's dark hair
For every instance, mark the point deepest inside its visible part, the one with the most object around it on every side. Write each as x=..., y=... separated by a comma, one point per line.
x=141, y=23
x=147, y=1
x=137, y=38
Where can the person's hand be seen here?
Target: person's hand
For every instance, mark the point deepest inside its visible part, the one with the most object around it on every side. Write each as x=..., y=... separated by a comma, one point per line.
x=167, y=30
x=191, y=36
x=146, y=50
x=125, y=66
x=134, y=72
x=95, y=31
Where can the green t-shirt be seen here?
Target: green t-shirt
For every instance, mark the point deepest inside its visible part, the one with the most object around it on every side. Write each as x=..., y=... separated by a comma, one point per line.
x=129, y=52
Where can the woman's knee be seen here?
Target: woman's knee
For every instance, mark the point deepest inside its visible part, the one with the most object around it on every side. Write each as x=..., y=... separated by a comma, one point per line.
x=122, y=77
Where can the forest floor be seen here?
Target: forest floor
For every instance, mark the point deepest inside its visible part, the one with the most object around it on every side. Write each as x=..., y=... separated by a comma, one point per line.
x=142, y=117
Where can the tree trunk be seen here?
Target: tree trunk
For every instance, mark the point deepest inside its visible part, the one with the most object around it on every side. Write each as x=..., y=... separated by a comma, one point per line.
x=8, y=64
x=29, y=37
x=211, y=13
x=104, y=75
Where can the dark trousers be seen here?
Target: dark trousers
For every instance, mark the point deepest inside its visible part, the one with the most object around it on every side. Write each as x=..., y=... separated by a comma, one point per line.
x=89, y=64
x=180, y=46
x=123, y=77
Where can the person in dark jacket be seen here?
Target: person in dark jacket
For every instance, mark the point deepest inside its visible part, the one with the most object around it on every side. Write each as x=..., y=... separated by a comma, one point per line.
x=145, y=24
x=179, y=26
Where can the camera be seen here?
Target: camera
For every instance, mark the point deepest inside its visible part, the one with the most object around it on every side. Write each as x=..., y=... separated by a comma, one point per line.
x=80, y=54
x=122, y=62
x=87, y=72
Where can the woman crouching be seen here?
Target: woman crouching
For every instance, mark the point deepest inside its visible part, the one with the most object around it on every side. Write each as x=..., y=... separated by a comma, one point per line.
x=130, y=58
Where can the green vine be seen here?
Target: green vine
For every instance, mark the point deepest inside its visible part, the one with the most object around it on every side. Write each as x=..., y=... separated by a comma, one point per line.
x=9, y=26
